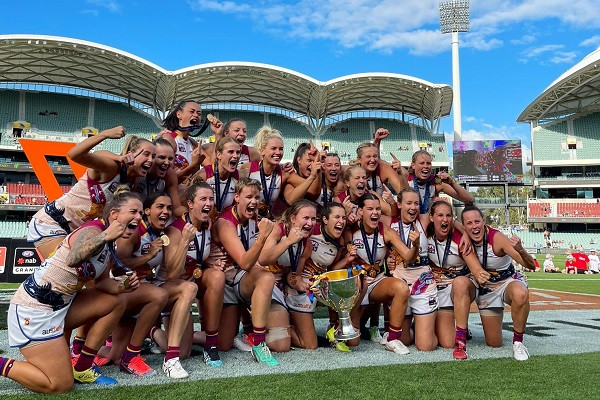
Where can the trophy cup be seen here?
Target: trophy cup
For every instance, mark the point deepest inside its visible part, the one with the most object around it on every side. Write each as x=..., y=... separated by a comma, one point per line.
x=340, y=292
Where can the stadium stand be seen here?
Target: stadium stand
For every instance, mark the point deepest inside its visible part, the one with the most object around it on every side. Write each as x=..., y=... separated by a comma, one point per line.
x=9, y=111
x=56, y=113
x=293, y=133
x=108, y=114
x=13, y=229
x=343, y=137
x=550, y=142
x=539, y=209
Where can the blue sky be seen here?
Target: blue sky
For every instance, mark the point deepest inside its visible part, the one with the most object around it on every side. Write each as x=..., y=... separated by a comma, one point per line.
x=513, y=51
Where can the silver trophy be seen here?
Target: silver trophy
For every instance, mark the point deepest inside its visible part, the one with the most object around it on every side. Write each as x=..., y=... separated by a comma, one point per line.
x=340, y=292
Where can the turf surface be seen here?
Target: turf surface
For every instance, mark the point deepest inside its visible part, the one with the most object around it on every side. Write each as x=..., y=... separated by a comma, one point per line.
x=542, y=377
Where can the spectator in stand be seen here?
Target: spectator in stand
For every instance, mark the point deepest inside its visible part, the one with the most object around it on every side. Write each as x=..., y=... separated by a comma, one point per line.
x=594, y=262
x=549, y=265
x=570, y=267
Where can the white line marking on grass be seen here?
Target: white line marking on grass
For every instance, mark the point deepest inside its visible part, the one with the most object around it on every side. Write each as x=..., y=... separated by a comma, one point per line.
x=547, y=296
x=562, y=291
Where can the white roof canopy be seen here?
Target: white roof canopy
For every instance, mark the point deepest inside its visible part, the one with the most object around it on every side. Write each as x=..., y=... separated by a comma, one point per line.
x=575, y=91
x=87, y=65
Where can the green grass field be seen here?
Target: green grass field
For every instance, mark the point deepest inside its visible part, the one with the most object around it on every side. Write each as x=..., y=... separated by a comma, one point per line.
x=542, y=377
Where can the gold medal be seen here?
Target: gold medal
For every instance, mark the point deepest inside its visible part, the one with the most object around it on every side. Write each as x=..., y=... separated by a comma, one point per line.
x=197, y=273
x=165, y=239
x=372, y=273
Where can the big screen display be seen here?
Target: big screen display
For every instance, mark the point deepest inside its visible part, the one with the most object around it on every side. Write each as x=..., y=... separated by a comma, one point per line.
x=488, y=161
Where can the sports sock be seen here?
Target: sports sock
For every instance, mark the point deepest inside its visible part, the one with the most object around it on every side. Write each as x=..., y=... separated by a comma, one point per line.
x=259, y=335
x=212, y=339
x=5, y=365
x=461, y=335
x=394, y=332
x=130, y=353
x=172, y=352
x=518, y=336
x=86, y=359
x=77, y=344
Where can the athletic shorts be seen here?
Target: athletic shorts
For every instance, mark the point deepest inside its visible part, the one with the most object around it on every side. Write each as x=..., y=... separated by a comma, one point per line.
x=299, y=301
x=423, y=298
x=278, y=296
x=232, y=293
x=445, y=294
x=376, y=281
x=42, y=229
x=29, y=326
x=491, y=295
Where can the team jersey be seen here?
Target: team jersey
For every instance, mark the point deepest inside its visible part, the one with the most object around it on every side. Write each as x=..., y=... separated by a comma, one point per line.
x=289, y=258
x=183, y=151
x=494, y=262
x=244, y=157
x=54, y=284
x=85, y=201
x=324, y=252
x=446, y=259
x=374, y=182
x=426, y=190
x=342, y=196
x=373, y=267
x=198, y=248
x=423, y=253
x=246, y=234
x=154, y=267
x=146, y=186
x=225, y=191
x=270, y=189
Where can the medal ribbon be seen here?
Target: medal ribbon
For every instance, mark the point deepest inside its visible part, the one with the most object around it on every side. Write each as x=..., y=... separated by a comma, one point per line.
x=423, y=202
x=199, y=247
x=371, y=252
x=267, y=194
x=220, y=197
x=243, y=236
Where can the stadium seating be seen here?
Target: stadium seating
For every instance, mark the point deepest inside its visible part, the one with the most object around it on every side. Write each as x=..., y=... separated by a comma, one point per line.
x=548, y=142
x=436, y=144
x=561, y=240
x=578, y=210
x=398, y=142
x=9, y=112
x=108, y=114
x=293, y=133
x=539, y=209
x=254, y=120
x=56, y=113
x=28, y=193
x=346, y=135
x=13, y=229
x=587, y=131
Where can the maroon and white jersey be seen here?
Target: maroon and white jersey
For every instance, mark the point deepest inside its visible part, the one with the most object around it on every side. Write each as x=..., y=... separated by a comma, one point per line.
x=198, y=248
x=446, y=259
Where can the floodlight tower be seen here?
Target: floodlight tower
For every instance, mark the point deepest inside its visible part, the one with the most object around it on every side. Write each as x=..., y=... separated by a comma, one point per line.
x=454, y=18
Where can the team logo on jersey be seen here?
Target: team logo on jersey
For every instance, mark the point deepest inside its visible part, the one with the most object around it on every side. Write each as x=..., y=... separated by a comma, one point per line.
x=181, y=147
x=102, y=256
x=113, y=187
x=192, y=246
x=430, y=248
x=358, y=243
x=26, y=322
x=145, y=248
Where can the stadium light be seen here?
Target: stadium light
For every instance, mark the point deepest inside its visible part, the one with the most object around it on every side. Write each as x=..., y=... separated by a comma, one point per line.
x=454, y=18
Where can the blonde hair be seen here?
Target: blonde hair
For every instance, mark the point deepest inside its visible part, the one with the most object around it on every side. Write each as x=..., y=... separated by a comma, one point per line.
x=364, y=145
x=264, y=134
x=349, y=171
x=132, y=143
x=220, y=145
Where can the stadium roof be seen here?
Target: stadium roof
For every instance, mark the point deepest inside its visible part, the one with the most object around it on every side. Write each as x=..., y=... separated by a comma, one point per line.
x=575, y=91
x=87, y=65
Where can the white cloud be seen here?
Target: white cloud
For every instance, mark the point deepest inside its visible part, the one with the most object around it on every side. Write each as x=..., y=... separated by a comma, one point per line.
x=386, y=25
x=526, y=39
x=594, y=41
x=563, y=57
x=111, y=5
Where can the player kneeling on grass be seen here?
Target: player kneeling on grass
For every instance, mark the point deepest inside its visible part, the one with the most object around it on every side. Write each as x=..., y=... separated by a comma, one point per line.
x=371, y=239
x=53, y=299
x=146, y=252
x=285, y=252
x=237, y=241
x=505, y=285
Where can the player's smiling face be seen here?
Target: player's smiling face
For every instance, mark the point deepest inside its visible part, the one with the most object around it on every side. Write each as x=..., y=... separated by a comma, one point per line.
x=369, y=159
x=442, y=220
x=200, y=208
x=163, y=161
x=130, y=215
x=474, y=225
x=144, y=158
x=189, y=115
x=336, y=222
x=160, y=212
x=229, y=157
x=237, y=130
x=409, y=207
x=305, y=219
x=422, y=167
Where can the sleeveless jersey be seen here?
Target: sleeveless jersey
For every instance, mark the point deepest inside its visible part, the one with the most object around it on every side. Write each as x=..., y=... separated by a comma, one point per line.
x=146, y=186
x=183, y=151
x=244, y=157
x=194, y=251
x=85, y=201
x=454, y=265
x=396, y=225
x=254, y=173
x=323, y=253
x=494, y=262
x=54, y=284
x=228, y=197
x=247, y=233
x=146, y=235
x=422, y=189
x=361, y=251
x=374, y=181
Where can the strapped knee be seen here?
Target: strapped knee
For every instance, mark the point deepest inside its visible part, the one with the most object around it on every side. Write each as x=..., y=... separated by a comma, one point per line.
x=277, y=333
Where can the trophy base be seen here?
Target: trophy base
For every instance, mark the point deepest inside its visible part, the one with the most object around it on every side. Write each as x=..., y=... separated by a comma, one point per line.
x=345, y=331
